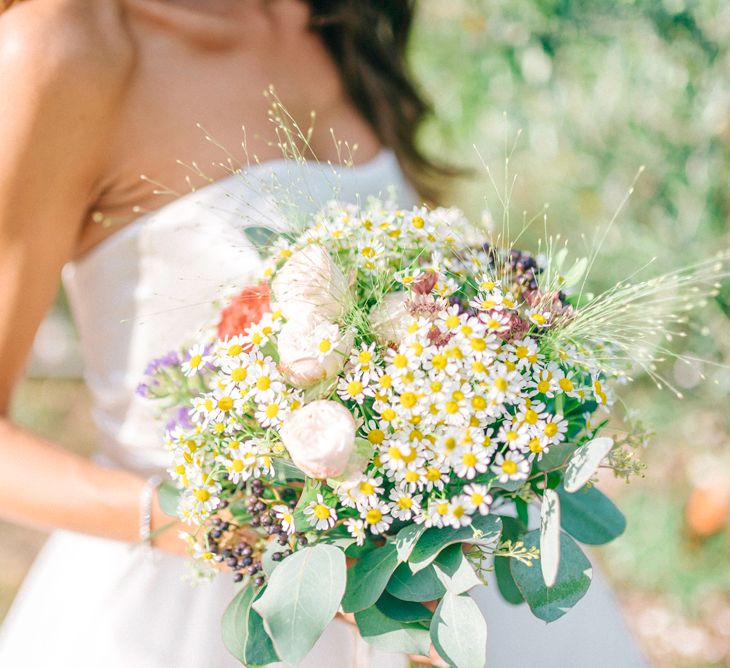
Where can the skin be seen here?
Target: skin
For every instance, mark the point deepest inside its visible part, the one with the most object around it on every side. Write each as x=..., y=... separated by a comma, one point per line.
x=95, y=93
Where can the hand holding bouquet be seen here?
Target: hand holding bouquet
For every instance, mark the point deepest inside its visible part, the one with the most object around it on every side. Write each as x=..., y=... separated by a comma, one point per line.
x=397, y=395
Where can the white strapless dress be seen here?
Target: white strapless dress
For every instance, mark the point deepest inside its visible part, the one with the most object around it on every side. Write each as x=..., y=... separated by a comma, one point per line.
x=94, y=603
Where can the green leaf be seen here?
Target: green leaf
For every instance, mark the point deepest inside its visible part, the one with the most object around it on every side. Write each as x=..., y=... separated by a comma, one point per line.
x=585, y=462
x=508, y=485
x=403, y=611
x=434, y=540
x=239, y=510
x=266, y=558
x=572, y=581
x=243, y=631
x=284, y=470
x=366, y=580
x=454, y=570
x=421, y=586
x=550, y=536
x=556, y=456
x=459, y=632
x=260, y=238
x=590, y=516
x=512, y=530
x=391, y=635
x=168, y=496
x=302, y=597
x=406, y=539
x=309, y=493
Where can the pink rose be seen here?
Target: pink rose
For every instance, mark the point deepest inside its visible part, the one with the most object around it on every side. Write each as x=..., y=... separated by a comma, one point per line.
x=312, y=350
x=310, y=283
x=320, y=438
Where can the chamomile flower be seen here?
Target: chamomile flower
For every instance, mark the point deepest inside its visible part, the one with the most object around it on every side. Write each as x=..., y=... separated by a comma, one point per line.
x=271, y=413
x=366, y=491
x=196, y=359
x=510, y=465
x=540, y=317
x=325, y=338
x=514, y=434
x=553, y=428
x=201, y=499
x=363, y=359
x=469, y=461
x=404, y=504
x=356, y=528
x=524, y=353
x=266, y=382
x=477, y=498
x=458, y=514
x=320, y=515
x=437, y=512
x=239, y=460
x=353, y=387
x=285, y=515
x=377, y=517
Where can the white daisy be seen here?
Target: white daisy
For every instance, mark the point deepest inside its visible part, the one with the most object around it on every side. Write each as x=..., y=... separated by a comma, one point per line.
x=477, y=498
x=320, y=515
x=510, y=465
x=377, y=518
x=196, y=359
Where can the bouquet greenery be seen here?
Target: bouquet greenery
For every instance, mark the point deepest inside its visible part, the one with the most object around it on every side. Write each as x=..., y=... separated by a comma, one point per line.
x=368, y=429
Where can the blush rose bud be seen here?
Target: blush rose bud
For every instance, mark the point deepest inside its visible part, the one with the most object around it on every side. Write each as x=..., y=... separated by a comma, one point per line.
x=310, y=283
x=312, y=350
x=320, y=438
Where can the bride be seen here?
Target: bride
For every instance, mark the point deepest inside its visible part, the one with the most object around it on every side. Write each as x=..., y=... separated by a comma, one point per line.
x=93, y=94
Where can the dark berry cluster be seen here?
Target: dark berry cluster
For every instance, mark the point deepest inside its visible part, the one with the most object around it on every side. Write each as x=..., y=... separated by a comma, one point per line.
x=241, y=547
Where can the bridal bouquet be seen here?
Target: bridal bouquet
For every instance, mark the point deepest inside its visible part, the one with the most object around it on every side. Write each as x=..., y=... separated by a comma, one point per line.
x=368, y=429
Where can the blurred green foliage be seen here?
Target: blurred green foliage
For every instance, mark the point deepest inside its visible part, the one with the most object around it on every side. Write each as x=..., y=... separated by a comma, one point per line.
x=599, y=89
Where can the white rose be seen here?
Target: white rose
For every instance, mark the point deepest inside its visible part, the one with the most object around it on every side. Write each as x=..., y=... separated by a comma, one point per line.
x=320, y=438
x=310, y=282
x=312, y=350
x=388, y=318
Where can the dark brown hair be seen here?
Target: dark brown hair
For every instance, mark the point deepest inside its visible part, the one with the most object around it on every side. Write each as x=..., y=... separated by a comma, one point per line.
x=368, y=40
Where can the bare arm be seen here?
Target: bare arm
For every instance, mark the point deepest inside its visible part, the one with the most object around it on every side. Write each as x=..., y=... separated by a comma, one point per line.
x=61, y=78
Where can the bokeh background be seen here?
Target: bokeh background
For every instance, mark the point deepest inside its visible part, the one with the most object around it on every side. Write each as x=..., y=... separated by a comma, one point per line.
x=597, y=89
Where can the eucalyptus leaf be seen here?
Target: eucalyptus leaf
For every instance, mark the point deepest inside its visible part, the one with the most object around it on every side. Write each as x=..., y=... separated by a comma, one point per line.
x=436, y=539
x=421, y=586
x=168, y=496
x=556, y=456
x=459, y=632
x=406, y=539
x=302, y=597
x=512, y=530
x=243, y=631
x=403, y=611
x=550, y=536
x=572, y=581
x=267, y=560
x=585, y=462
x=454, y=571
x=590, y=516
x=391, y=635
x=366, y=580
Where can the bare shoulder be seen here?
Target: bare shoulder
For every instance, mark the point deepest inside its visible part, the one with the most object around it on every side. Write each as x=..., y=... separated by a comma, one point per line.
x=67, y=45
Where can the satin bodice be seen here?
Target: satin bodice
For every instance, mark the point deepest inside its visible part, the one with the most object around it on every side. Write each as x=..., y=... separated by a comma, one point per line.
x=157, y=282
